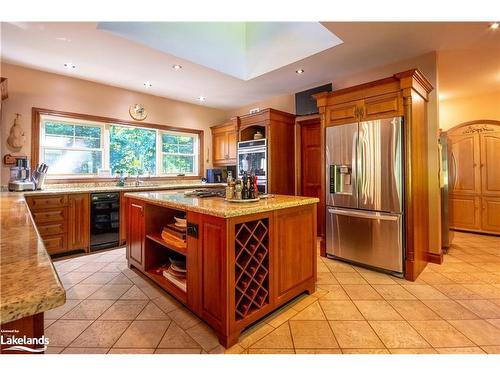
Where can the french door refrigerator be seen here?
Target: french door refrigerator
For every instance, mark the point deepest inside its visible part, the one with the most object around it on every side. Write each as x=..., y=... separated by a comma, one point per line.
x=364, y=194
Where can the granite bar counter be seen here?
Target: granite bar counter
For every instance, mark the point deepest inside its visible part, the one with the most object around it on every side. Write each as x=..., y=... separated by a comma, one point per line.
x=218, y=207
x=29, y=283
x=97, y=188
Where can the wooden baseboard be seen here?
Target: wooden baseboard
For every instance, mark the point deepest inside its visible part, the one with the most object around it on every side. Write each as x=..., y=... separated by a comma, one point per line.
x=435, y=258
x=322, y=247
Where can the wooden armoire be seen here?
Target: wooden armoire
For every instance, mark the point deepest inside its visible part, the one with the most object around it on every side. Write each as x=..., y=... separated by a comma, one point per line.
x=474, y=176
x=403, y=94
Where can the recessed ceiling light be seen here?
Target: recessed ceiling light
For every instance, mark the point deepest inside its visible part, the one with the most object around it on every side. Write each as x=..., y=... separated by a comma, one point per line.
x=494, y=25
x=201, y=98
x=69, y=66
x=299, y=71
x=177, y=67
x=147, y=84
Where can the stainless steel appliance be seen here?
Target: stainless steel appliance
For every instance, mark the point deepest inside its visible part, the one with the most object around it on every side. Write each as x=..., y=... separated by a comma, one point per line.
x=104, y=220
x=252, y=158
x=364, y=198
x=446, y=233
x=214, y=175
x=20, y=176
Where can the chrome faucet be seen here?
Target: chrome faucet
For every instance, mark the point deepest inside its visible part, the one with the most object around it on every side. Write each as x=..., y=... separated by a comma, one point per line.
x=137, y=181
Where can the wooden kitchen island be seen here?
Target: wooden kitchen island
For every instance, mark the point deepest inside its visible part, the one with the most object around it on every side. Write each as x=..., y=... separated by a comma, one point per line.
x=243, y=260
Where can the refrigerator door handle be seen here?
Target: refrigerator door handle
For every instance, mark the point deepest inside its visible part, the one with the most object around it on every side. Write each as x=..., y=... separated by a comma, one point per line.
x=365, y=215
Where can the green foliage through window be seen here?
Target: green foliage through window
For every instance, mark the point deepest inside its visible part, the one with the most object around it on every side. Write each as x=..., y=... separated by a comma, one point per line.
x=132, y=150
x=178, y=153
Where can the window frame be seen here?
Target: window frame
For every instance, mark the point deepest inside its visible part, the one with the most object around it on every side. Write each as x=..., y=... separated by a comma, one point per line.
x=39, y=113
x=75, y=122
x=160, y=154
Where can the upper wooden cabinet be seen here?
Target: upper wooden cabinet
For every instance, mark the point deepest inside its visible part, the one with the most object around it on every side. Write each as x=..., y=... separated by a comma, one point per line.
x=403, y=94
x=372, y=108
x=474, y=177
x=224, y=143
x=279, y=130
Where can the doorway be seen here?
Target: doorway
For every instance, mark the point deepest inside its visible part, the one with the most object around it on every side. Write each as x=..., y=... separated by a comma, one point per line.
x=310, y=165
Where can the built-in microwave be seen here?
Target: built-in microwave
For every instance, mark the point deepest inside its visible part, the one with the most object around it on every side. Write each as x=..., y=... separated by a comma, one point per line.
x=252, y=158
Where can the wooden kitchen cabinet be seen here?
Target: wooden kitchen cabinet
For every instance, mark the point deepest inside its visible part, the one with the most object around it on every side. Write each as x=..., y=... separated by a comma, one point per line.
x=370, y=108
x=342, y=113
x=50, y=213
x=380, y=106
x=278, y=128
x=78, y=221
x=490, y=221
x=403, y=94
x=62, y=220
x=466, y=211
x=224, y=143
x=135, y=233
x=474, y=176
x=239, y=268
x=123, y=218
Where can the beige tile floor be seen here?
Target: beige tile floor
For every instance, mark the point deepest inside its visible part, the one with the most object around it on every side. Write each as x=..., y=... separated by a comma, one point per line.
x=451, y=308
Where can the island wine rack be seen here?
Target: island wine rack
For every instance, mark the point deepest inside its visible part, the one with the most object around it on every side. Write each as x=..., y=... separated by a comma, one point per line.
x=251, y=267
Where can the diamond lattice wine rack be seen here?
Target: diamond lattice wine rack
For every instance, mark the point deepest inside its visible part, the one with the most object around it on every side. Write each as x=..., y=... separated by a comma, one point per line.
x=251, y=267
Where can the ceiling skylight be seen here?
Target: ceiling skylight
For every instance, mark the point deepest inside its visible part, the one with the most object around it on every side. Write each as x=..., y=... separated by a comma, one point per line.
x=244, y=50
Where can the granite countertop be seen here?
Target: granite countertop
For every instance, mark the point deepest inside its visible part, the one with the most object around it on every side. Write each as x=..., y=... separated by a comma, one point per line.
x=216, y=206
x=29, y=284
x=28, y=281
x=90, y=188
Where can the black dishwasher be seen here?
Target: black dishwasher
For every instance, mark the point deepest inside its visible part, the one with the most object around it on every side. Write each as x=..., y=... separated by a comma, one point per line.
x=104, y=220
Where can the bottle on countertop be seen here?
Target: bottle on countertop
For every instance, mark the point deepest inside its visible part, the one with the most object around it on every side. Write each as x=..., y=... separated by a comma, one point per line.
x=237, y=189
x=230, y=186
x=244, y=189
x=251, y=187
x=255, y=187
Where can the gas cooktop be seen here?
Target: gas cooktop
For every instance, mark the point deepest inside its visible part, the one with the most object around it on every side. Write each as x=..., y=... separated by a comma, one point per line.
x=205, y=193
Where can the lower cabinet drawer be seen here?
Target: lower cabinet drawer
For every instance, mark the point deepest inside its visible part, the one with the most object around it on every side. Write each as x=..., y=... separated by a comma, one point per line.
x=50, y=229
x=48, y=201
x=49, y=216
x=55, y=244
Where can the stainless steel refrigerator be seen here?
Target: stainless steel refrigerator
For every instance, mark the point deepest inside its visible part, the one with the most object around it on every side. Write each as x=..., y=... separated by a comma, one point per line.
x=364, y=194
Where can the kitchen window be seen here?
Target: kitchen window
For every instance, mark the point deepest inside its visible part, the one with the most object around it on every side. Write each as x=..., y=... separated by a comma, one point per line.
x=178, y=154
x=132, y=150
x=76, y=148
x=72, y=148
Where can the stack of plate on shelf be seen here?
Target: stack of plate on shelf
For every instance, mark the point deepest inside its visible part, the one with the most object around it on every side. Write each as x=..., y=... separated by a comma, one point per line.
x=176, y=272
x=175, y=232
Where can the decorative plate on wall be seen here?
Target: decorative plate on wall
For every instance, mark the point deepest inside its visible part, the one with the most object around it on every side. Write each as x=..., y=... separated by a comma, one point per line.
x=137, y=112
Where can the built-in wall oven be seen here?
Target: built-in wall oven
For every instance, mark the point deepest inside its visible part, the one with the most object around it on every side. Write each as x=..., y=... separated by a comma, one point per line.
x=104, y=220
x=252, y=158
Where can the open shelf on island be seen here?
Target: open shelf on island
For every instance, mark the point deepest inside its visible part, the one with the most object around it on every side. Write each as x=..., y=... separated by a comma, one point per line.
x=178, y=246
x=179, y=292
x=160, y=253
